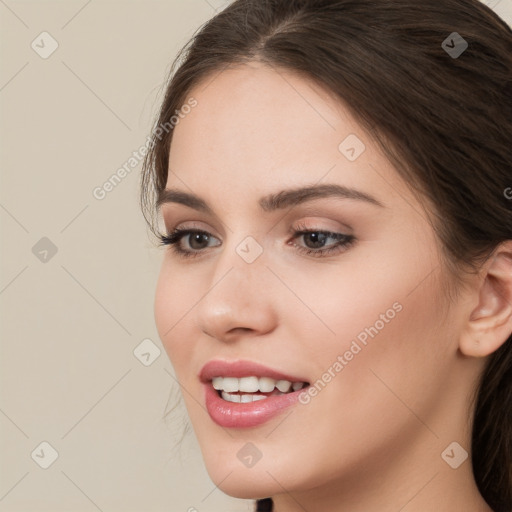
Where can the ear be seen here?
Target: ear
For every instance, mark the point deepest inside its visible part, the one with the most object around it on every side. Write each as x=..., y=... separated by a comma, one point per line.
x=490, y=322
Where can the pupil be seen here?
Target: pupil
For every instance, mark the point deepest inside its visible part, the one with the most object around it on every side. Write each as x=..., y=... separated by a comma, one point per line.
x=320, y=238
x=197, y=237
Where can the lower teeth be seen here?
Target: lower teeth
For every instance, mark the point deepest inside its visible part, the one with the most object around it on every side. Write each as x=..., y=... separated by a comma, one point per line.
x=246, y=397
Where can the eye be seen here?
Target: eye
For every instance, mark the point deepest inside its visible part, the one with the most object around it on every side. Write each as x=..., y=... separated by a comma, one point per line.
x=199, y=238
x=198, y=241
x=318, y=237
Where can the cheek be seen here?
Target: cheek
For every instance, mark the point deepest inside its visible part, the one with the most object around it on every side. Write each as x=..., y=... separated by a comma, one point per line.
x=384, y=317
x=172, y=302
x=379, y=292
x=394, y=350
x=336, y=303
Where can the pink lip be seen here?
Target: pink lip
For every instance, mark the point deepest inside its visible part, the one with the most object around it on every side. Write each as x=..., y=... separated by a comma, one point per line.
x=244, y=415
x=238, y=415
x=219, y=368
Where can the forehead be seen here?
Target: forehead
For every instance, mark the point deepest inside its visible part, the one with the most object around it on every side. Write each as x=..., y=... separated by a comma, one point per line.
x=262, y=113
x=256, y=129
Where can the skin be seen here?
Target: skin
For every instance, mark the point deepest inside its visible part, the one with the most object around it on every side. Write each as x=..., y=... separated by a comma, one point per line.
x=371, y=440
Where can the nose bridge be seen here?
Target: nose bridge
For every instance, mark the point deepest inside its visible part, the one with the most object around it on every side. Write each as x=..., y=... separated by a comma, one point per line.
x=239, y=294
x=241, y=269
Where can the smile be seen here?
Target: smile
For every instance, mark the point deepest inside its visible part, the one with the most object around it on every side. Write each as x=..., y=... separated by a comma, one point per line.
x=253, y=388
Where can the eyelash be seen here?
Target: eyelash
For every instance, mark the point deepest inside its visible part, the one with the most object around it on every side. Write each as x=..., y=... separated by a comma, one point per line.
x=344, y=241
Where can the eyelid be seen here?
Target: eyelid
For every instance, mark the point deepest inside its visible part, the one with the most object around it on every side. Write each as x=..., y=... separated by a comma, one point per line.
x=313, y=223
x=190, y=225
x=322, y=224
x=317, y=211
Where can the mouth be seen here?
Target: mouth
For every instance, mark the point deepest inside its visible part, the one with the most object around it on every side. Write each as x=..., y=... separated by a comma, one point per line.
x=241, y=394
x=253, y=388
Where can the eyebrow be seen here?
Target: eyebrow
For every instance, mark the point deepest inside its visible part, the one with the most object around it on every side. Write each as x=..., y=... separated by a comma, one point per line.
x=274, y=201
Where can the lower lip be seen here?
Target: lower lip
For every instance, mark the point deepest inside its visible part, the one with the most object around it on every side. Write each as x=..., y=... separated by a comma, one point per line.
x=251, y=414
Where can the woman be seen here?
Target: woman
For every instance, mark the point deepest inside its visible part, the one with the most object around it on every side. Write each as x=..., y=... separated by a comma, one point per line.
x=336, y=294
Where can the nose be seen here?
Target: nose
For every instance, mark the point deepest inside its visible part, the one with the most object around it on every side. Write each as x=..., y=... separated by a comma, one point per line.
x=241, y=300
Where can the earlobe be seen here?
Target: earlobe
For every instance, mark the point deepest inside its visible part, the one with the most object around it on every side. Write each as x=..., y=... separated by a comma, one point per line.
x=490, y=322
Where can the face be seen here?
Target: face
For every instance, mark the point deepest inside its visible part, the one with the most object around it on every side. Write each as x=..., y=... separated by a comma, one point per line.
x=354, y=308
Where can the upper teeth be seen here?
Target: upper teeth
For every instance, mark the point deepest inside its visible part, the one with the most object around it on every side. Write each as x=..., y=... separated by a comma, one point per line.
x=253, y=384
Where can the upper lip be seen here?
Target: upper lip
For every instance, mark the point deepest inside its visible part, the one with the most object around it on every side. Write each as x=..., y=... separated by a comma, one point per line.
x=241, y=368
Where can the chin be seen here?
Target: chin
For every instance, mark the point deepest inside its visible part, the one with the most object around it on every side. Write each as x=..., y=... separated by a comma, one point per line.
x=250, y=487
x=260, y=481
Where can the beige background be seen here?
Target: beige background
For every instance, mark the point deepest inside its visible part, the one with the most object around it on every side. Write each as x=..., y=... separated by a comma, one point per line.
x=72, y=320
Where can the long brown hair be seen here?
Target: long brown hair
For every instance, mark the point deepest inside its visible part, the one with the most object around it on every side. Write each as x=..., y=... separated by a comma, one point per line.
x=443, y=119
